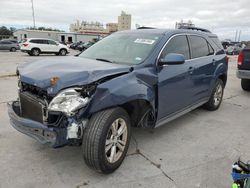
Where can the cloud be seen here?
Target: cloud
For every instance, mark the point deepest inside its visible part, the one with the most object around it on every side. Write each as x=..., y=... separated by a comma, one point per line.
x=221, y=16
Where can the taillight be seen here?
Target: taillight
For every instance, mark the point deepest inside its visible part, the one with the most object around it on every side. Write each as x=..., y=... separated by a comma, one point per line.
x=25, y=44
x=240, y=58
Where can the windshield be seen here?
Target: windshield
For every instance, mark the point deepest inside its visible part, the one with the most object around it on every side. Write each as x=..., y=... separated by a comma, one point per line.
x=122, y=48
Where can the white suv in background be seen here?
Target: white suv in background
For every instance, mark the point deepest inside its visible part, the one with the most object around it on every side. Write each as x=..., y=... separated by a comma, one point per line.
x=37, y=46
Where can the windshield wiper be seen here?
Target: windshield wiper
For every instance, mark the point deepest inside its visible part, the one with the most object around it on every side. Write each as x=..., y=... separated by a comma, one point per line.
x=105, y=60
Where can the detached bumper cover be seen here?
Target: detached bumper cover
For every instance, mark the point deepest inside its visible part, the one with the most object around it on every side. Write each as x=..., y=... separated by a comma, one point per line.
x=245, y=74
x=55, y=137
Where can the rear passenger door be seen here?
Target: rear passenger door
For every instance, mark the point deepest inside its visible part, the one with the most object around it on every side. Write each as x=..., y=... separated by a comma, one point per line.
x=39, y=43
x=202, y=66
x=174, y=85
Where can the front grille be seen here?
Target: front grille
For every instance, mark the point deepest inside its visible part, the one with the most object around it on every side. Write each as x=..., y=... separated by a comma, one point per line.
x=31, y=107
x=36, y=91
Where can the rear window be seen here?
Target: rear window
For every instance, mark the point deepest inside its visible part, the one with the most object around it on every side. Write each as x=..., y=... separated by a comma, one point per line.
x=199, y=46
x=217, y=42
x=6, y=42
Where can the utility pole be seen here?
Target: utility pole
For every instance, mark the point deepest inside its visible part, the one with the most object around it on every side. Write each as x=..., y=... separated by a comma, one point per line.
x=33, y=14
x=239, y=36
x=236, y=34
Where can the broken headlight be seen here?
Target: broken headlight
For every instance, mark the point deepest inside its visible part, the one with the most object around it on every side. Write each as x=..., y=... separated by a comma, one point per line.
x=68, y=101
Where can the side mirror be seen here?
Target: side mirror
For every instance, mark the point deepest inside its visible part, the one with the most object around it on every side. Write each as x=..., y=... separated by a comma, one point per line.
x=172, y=59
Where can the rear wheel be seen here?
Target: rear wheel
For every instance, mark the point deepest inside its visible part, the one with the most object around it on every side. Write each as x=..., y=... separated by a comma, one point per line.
x=245, y=84
x=63, y=52
x=216, y=97
x=106, y=140
x=13, y=49
x=35, y=52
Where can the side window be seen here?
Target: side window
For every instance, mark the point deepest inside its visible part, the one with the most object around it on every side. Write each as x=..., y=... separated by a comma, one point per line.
x=199, y=46
x=44, y=42
x=179, y=45
x=5, y=42
x=211, y=50
x=52, y=42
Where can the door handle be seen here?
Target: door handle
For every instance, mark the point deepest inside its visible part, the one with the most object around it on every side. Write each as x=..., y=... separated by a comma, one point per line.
x=214, y=61
x=190, y=70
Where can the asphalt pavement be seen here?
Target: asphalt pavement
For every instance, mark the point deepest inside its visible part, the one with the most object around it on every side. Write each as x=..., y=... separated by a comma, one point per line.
x=195, y=150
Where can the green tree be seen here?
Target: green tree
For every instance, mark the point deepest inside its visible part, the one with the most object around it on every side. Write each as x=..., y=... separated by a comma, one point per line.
x=5, y=31
x=45, y=29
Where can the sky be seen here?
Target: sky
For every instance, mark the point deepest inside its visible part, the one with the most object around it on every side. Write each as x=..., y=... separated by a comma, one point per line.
x=223, y=17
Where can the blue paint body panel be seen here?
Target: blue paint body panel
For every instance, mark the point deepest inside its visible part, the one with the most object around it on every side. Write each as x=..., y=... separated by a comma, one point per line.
x=168, y=89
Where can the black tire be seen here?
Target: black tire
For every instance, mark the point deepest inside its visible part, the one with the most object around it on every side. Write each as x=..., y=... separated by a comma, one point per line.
x=213, y=104
x=245, y=84
x=13, y=49
x=95, y=140
x=35, y=52
x=63, y=52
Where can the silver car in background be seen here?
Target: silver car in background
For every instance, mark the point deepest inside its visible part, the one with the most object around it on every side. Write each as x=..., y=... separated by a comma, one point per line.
x=8, y=45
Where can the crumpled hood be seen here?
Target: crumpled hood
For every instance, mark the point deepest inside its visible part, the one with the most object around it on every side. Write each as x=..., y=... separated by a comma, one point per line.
x=71, y=70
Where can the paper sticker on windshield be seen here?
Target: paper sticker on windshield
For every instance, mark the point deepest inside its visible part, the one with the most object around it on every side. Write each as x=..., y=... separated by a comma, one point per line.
x=144, y=41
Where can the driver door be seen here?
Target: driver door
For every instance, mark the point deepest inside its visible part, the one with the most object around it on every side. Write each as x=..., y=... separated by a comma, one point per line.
x=52, y=46
x=174, y=84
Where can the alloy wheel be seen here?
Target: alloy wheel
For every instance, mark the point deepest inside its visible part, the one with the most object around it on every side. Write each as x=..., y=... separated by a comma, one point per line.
x=63, y=52
x=116, y=140
x=218, y=95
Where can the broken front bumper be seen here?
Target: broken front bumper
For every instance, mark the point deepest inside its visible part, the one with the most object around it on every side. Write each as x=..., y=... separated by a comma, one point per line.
x=55, y=137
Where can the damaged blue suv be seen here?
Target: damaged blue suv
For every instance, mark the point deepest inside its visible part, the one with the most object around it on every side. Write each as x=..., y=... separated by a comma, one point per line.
x=141, y=78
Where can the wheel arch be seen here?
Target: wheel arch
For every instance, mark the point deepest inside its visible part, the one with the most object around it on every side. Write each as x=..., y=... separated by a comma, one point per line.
x=35, y=48
x=141, y=112
x=221, y=71
x=63, y=49
x=223, y=77
x=13, y=48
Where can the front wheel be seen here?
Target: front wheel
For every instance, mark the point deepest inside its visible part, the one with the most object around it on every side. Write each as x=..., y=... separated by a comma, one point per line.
x=245, y=84
x=35, y=52
x=63, y=52
x=106, y=140
x=216, y=96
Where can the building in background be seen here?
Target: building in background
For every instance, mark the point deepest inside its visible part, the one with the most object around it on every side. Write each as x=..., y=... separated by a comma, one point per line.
x=112, y=27
x=97, y=28
x=88, y=28
x=124, y=21
x=67, y=37
x=185, y=24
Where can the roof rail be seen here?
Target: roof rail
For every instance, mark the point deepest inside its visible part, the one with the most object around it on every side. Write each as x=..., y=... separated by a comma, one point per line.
x=195, y=28
x=143, y=27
